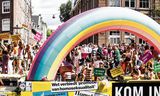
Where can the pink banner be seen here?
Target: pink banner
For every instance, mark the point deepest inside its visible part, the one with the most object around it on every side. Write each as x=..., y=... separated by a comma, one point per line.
x=146, y=57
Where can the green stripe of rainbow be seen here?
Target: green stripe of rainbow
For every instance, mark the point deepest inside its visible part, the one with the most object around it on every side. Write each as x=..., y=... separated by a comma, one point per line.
x=87, y=24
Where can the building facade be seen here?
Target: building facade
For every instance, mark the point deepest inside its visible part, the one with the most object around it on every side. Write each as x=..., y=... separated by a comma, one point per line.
x=40, y=26
x=15, y=21
x=115, y=37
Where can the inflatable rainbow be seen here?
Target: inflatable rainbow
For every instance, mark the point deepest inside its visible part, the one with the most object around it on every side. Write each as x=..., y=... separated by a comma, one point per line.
x=78, y=28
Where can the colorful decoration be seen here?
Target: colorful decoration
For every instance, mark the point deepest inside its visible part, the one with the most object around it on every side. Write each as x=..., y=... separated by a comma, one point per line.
x=38, y=36
x=75, y=30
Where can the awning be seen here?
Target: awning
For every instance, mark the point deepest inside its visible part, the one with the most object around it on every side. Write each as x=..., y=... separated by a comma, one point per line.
x=16, y=37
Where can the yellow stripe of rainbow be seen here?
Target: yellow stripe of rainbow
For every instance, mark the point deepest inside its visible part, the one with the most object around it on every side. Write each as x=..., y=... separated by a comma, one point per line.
x=62, y=54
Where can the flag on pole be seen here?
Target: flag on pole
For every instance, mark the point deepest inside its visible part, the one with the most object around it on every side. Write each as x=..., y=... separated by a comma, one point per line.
x=38, y=36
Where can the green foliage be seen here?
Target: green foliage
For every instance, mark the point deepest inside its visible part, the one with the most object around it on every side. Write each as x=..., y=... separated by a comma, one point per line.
x=49, y=32
x=65, y=11
x=157, y=12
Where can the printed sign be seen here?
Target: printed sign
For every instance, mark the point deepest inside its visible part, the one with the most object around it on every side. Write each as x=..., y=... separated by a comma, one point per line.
x=157, y=67
x=88, y=93
x=49, y=93
x=136, y=89
x=116, y=71
x=84, y=93
x=146, y=57
x=99, y=72
x=73, y=86
x=26, y=86
x=22, y=86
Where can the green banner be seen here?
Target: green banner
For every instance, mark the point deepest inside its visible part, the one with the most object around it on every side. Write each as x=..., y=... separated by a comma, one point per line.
x=156, y=66
x=99, y=72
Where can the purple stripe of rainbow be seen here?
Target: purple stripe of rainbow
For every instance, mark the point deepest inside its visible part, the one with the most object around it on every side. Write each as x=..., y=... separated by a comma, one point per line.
x=47, y=43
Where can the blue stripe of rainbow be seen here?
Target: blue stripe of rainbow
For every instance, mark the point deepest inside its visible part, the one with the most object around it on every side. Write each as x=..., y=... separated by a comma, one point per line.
x=50, y=51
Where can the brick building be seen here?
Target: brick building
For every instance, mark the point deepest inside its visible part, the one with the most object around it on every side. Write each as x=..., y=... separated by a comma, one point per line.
x=115, y=37
x=15, y=21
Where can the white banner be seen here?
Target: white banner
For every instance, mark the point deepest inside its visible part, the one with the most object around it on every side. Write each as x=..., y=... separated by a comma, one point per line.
x=73, y=86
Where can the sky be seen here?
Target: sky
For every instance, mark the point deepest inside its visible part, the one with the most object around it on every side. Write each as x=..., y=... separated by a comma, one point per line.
x=47, y=8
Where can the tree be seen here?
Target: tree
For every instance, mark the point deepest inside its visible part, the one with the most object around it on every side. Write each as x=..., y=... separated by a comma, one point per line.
x=156, y=8
x=49, y=32
x=157, y=12
x=65, y=10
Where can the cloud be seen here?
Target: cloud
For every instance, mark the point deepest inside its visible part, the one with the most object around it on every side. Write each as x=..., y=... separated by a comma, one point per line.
x=47, y=9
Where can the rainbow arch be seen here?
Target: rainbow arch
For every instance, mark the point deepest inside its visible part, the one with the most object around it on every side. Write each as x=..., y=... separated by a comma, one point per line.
x=78, y=28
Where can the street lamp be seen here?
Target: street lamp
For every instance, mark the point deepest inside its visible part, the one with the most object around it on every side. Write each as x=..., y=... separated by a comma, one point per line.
x=53, y=16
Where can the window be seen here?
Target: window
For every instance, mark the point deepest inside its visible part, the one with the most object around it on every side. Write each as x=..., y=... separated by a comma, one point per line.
x=114, y=40
x=141, y=41
x=127, y=40
x=126, y=33
x=144, y=3
x=6, y=7
x=126, y=3
x=5, y=24
x=114, y=3
x=132, y=3
x=114, y=33
x=129, y=3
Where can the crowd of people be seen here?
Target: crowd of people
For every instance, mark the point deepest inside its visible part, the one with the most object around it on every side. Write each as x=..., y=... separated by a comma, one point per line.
x=81, y=62
x=85, y=58
x=16, y=58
